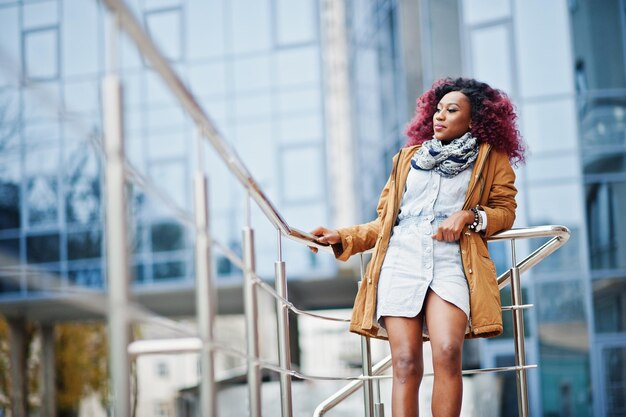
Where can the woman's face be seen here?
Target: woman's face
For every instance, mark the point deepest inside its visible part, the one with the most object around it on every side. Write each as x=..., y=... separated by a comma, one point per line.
x=452, y=117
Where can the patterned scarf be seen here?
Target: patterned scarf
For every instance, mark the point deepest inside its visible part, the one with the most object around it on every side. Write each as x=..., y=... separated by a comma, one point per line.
x=446, y=160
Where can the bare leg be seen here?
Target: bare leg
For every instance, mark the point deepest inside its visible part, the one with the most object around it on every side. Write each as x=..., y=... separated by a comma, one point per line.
x=405, y=340
x=446, y=328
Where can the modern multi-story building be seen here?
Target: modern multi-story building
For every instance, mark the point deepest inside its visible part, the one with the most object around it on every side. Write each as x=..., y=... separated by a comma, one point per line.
x=314, y=96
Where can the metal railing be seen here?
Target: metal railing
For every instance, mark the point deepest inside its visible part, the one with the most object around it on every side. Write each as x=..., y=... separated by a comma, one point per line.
x=120, y=312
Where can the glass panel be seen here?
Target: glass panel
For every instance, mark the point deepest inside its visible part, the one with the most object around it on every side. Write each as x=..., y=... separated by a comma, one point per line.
x=301, y=168
x=252, y=74
x=165, y=29
x=295, y=101
x=250, y=25
x=606, y=205
x=10, y=213
x=542, y=135
x=82, y=97
x=565, y=385
x=42, y=278
x=169, y=270
x=614, y=363
x=41, y=54
x=81, y=49
x=43, y=248
x=42, y=200
x=298, y=66
x=84, y=245
x=86, y=277
x=171, y=178
x=167, y=237
x=82, y=187
x=477, y=11
x=40, y=14
x=491, y=56
x=9, y=252
x=10, y=46
x=253, y=107
x=9, y=282
x=41, y=101
x=204, y=25
x=296, y=21
x=41, y=133
x=609, y=305
x=208, y=79
x=602, y=124
x=308, y=128
x=9, y=121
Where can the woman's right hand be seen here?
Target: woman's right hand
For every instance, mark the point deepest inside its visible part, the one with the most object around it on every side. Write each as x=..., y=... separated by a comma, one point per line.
x=325, y=235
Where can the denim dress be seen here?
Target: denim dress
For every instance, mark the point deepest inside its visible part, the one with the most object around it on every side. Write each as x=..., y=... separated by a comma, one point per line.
x=414, y=261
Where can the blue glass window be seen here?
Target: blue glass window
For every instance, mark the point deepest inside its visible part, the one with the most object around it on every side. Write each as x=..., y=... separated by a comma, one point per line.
x=42, y=248
x=167, y=236
x=250, y=25
x=84, y=245
x=296, y=21
x=41, y=54
x=165, y=28
x=10, y=214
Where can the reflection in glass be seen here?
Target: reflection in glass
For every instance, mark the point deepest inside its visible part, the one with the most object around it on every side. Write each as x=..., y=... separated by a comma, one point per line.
x=9, y=252
x=42, y=248
x=86, y=277
x=614, y=363
x=565, y=379
x=561, y=302
x=9, y=194
x=82, y=187
x=606, y=205
x=167, y=236
x=41, y=55
x=609, y=305
x=84, y=245
x=9, y=121
x=9, y=282
x=168, y=270
x=42, y=201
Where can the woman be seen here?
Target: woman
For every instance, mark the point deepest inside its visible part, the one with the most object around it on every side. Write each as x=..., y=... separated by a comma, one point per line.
x=430, y=276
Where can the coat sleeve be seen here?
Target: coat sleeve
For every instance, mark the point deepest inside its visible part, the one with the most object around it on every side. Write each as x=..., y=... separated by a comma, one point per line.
x=362, y=237
x=501, y=205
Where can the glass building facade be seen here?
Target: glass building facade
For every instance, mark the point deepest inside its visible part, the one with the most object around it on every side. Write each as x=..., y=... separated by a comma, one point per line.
x=258, y=69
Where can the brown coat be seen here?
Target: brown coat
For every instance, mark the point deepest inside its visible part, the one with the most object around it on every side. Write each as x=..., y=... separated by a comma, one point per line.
x=492, y=188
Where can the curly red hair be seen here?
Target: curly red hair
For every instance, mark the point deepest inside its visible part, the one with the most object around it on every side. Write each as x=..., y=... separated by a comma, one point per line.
x=493, y=117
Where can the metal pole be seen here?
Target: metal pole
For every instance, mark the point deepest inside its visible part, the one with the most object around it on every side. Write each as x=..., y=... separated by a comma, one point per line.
x=518, y=336
x=118, y=273
x=366, y=359
x=366, y=353
x=282, y=317
x=205, y=296
x=252, y=332
x=49, y=407
x=117, y=254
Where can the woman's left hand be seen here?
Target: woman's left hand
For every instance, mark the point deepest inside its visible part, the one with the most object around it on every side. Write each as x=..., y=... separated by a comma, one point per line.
x=451, y=228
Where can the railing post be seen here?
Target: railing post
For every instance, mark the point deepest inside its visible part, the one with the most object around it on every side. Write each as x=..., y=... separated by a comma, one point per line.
x=518, y=336
x=282, y=317
x=118, y=273
x=366, y=358
x=252, y=332
x=205, y=297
